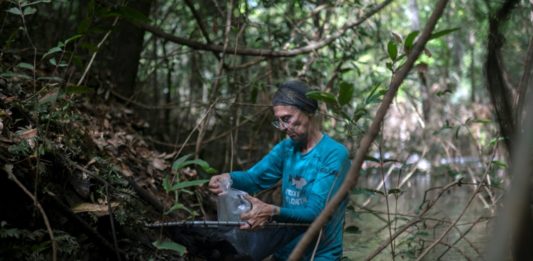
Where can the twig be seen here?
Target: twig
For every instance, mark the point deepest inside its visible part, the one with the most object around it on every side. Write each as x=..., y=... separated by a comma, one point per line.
x=452, y=246
x=112, y=223
x=351, y=179
x=453, y=224
x=463, y=237
x=412, y=221
x=9, y=170
x=95, y=52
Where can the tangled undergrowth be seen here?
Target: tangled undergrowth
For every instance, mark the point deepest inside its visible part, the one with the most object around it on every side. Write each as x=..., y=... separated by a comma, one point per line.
x=78, y=181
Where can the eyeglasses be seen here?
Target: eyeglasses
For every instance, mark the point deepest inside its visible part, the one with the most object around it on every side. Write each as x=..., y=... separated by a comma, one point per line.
x=282, y=123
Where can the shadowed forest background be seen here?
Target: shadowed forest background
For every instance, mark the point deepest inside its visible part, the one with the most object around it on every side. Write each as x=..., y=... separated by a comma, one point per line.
x=115, y=114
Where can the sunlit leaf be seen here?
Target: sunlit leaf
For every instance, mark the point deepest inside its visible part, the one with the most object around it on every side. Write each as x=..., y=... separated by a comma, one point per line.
x=443, y=33
x=392, y=50
x=410, y=40
x=345, y=93
x=170, y=245
x=322, y=96
x=496, y=140
x=499, y=164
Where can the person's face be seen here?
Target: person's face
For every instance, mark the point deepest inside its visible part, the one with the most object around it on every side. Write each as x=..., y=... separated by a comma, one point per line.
x=294, y=122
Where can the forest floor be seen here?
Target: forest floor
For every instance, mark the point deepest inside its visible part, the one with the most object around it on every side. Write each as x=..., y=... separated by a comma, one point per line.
x=77, y=164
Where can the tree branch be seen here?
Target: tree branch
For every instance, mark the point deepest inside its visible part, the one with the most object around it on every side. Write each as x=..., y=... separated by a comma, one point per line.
x=351, y=180
x=263, y=52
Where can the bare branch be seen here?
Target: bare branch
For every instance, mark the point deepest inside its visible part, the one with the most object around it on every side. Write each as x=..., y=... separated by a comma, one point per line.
x=264, y=52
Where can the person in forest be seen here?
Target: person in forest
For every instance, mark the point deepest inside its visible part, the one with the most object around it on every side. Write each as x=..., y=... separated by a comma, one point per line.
x=311, y=166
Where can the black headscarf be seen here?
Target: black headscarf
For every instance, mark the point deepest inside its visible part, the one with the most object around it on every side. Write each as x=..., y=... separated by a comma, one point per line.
x=293, y=93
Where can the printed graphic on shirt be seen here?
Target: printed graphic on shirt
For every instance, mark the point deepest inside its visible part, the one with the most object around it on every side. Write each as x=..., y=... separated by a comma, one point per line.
x=298, y=182
x=294, y=195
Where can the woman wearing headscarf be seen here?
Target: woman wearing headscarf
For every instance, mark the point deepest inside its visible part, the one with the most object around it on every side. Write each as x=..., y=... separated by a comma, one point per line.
x=311, y=166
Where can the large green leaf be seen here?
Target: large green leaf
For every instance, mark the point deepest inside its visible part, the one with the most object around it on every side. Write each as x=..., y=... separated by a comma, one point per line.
x=190, y=183
x=170, y=245
x=442, y=33
x=410, y=40
x=179, y=163
x=392, y=49
x=322, y=96
x=345, y=93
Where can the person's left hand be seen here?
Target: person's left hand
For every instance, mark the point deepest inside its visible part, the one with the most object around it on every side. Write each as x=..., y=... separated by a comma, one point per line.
x=259, y=215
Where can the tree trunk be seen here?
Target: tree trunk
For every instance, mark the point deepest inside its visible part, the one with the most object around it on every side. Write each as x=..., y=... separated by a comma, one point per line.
x=121, y=57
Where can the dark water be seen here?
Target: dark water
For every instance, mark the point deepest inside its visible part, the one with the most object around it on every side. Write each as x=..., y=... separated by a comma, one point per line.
x=373, y=231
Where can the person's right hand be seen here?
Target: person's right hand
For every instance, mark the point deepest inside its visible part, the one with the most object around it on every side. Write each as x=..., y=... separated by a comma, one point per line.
x=216, y=183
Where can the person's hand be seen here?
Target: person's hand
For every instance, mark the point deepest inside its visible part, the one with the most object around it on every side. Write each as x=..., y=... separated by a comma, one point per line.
x=216, y=183
x=260, y=214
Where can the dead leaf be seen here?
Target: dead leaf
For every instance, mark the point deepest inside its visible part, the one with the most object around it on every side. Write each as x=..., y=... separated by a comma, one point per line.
x=27, y=134
x=159, y=164
x=125, y=170
x=189, y=172
x=97, y=209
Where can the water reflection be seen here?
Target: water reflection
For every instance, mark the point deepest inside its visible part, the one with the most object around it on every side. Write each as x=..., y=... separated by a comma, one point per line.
x=404, y=204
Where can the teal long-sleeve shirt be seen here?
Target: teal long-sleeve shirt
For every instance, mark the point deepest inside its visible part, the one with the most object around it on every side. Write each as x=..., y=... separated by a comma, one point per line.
x=308, y=181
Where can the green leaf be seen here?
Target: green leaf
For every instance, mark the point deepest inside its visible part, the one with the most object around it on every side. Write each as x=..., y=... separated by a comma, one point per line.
x=15, y=75
x=52, y=51
x=345, y=93
x=442, y=33
x=50, y=78
x=482, y=121
x=183, y=162
x=166, y=184
x=392, y=49
x=178, y=164
x=359, y=113
x=29, y=11
x=169, y=245
x=410, y=40
x=496, y=140
x=190, y=183
x=73, y=38
x=25, y=66
x=14, y=10
x=375, y=97
x=76, y=89
x=499, y=164
x=322, y=96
